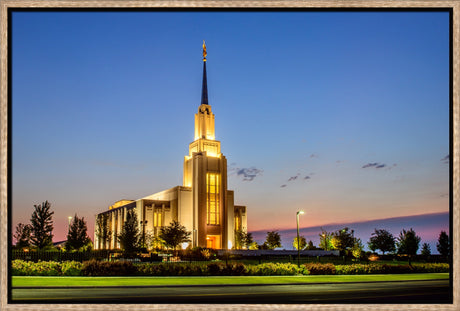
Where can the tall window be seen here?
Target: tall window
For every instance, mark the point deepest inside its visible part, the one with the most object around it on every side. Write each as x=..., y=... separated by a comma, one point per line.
x=157, y=218
x=212, y=191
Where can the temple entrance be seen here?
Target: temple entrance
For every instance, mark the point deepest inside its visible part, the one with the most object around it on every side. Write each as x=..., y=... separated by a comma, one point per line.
x=213, y=241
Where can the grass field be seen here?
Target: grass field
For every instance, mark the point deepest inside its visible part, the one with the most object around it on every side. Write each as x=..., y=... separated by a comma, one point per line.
x=39, y=281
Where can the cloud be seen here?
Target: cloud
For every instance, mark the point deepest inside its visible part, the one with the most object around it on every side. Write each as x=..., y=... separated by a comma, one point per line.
x=313, y=155
x=307, y=177
x=248, y=174
x=282, y=186
x=293, y=178
x=446, y=159
x=377, y=165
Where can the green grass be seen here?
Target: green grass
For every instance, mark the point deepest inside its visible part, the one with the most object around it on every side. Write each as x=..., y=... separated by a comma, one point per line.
x=36, y=281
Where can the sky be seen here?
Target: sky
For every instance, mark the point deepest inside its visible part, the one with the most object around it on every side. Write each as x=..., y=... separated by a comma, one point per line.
x=344, y=115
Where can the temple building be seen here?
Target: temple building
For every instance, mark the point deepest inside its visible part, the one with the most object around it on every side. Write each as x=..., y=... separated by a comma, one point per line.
x=203, y=204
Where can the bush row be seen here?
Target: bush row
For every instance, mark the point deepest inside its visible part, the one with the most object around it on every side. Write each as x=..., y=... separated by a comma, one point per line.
x=121, y=268
x=46, y=268
x=393, y=269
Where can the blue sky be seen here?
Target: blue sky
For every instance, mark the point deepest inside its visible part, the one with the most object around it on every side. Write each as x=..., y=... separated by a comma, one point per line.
x=342, y=114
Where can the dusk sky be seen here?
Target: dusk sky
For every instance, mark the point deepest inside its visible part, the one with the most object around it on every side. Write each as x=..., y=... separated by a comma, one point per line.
x=344, y=115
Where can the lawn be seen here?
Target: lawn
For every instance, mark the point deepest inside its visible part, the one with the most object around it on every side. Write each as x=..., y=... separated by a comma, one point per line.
x=39, y=281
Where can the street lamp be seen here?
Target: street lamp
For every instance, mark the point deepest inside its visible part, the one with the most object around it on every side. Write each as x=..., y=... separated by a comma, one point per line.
x=298, y=238
x=143, y=223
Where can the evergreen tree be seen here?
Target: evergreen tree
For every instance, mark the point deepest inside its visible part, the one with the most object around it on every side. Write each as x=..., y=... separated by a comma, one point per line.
x=129, y=237
x=22, y=235
x=426, y=250
x=174, y=234
x=273, y=240
x=77, y=237
x=42, y=226
x=443, y=245
x=382, y=240
x=302, y=243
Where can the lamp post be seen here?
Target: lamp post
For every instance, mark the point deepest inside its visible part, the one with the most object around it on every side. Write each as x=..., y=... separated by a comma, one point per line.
x=143, y=223
x=298, y=238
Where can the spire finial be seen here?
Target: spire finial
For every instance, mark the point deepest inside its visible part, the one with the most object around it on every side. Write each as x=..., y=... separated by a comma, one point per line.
x=204, y=51
x=204, y=90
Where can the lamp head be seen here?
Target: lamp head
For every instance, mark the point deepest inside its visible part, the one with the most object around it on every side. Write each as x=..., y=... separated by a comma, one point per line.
x=300, y=212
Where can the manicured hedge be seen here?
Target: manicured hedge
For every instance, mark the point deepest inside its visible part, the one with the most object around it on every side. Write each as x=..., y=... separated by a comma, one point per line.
x=167, y=269
x=374, y=268
x=108, y=268
x=270, y=268
x=320, y=268
x=44, y=268
x=121, y=268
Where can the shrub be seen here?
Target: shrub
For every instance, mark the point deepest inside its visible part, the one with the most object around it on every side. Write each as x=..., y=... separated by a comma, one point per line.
x=431, y=267
x=320, y=268
x=41, y=268
x=107, y=268
x=71, y=268
x=218, y=268
x=270, y=268
x=168, y=269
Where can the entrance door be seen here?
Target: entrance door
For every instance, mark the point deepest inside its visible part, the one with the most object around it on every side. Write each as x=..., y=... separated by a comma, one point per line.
x=213, y=241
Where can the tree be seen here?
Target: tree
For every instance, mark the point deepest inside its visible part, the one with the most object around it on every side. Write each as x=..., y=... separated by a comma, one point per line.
x=310, y=245
x=426, y=250
x=42, y=226
x=22, y=235
x=383, y=240
x=443, y=245
x=357, y=248
x=273, y=240
x=129, y=237
x=103, y=232
x=253, y=246
x=343, y=239
x=242, y=239
x=302, y=243
x=77, y=238
x=153, y=241
x=174, y=234
x=408, y=242
x=325, y=240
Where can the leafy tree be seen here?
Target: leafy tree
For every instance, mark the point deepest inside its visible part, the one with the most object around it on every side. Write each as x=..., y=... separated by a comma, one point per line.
x=129, y=237
x=154, y=242
x=302, y=243
x=443, y=245
x=383, y=240
x=310, y=245
x=22, y=235
x=273, y=240
x=77, y=238
x=42, y=226
x=357, y=248
x=242, y=239
x=103, y=232
x=408, y=242
x=325, y=240
x=343, y=239
x=426, y=250
x=253, y=246
x=174, y=234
